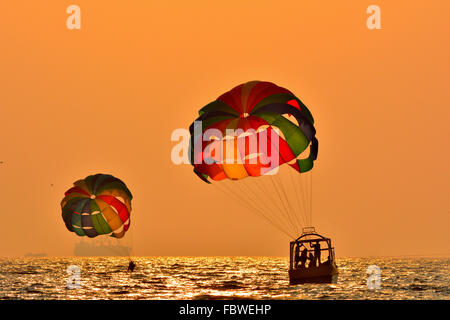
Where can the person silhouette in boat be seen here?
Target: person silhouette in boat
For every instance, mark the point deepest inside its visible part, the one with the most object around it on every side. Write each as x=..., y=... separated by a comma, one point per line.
x=297, y=254
x=131, y=266
x=303, y=257
x=300, y=258
x=317, y=251
x=326, y=263
x=312, y=260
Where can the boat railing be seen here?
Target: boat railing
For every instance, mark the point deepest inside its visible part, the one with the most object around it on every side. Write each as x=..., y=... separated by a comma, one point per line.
x=307, y=230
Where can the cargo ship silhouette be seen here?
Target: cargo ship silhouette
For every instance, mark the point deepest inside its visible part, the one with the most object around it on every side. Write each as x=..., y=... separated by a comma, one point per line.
x=34, y=255
x=93, y=248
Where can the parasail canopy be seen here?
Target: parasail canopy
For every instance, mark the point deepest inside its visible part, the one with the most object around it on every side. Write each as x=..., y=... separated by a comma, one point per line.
x=97, y=205
x=248, y=136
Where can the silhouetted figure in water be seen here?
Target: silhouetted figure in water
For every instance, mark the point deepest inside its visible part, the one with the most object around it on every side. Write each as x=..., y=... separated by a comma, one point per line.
x=317, y=251
x=131, y=266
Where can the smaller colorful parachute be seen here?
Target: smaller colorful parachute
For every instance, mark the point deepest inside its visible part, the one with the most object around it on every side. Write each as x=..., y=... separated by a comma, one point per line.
x=98, y=204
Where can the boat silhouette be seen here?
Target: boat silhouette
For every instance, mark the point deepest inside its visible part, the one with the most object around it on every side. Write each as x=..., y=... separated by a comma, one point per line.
x=317, y=271
x=32, y=254
x=101, y=247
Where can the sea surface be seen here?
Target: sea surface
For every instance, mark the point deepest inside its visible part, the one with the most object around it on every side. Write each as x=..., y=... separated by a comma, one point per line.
x=216, y=278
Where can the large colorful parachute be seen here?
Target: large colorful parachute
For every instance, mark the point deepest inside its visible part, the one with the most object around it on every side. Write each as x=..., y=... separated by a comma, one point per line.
x=235, y=140
x=97, y=205
x=263, y=107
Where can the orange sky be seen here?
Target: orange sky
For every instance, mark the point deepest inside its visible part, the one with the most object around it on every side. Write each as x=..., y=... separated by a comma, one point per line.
x=106, y=98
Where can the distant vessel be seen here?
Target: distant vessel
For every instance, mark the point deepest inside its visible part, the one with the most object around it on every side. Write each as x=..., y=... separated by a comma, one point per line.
x=93, y=248
x=31, y=254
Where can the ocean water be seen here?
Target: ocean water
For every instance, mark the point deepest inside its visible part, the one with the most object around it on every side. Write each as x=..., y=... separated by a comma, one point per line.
x=217, y=278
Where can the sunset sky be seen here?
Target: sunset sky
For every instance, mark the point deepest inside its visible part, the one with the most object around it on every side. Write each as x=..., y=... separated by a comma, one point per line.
x=106, y=99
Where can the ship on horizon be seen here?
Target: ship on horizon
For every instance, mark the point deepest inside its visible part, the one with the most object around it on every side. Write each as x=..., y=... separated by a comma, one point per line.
x=34, y=255
x=100, y=247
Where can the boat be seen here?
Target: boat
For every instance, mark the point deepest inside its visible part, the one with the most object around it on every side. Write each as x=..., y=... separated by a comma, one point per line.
x=34, y=255
x=311, y=245
x=94, y=248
